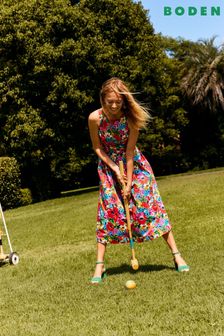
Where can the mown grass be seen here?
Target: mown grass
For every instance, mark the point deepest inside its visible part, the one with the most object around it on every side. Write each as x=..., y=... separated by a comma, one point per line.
x=48, y=292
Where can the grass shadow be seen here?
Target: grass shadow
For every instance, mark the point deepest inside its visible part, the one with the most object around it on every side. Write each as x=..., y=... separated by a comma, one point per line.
x=125, y=268
x=3, y=263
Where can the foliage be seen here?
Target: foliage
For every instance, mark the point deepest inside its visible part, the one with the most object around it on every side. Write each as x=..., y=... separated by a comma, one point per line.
x=202, y=82
x=203, y=79
x=9, y=183
x=26, y=197
x=162, y=142
x=73, y=171
x=54, y=57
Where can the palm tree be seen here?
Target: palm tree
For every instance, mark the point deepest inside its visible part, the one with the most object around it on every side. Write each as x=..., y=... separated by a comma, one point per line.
x=203, y=79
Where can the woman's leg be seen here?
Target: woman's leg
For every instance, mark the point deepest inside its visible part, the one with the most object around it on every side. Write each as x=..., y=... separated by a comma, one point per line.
x=101, y=248
x=169, y=238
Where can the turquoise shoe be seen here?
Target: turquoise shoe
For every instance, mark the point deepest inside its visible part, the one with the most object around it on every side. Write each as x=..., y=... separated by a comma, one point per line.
x=98, y=280
x=179, y=268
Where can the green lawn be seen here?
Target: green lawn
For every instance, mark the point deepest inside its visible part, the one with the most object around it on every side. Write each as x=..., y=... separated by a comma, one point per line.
x=48, y=292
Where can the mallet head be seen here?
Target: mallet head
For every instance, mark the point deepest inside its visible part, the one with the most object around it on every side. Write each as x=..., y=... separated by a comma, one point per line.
x=134, y=264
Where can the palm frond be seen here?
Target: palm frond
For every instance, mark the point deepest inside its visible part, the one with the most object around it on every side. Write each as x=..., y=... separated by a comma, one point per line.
x=203, y=79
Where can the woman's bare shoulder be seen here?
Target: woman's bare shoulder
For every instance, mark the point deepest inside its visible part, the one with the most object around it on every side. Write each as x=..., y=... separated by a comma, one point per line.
x=94, y=116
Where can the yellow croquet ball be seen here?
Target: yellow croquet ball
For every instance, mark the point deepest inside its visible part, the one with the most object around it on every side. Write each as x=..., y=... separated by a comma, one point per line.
x=130, y=284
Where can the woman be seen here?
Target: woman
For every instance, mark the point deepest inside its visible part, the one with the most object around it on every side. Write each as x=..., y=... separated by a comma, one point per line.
x=114, y=130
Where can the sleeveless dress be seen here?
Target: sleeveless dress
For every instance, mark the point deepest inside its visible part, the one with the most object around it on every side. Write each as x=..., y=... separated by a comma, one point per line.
x=149, y=219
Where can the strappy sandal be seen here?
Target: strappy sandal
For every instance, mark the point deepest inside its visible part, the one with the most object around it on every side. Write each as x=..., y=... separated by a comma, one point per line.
x=97, y=280
x=179, y=268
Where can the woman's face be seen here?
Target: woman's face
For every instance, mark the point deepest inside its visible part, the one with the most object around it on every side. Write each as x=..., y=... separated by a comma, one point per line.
x=113, y=103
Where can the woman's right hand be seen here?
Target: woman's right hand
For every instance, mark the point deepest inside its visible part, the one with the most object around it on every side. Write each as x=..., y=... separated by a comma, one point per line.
x=122, y=179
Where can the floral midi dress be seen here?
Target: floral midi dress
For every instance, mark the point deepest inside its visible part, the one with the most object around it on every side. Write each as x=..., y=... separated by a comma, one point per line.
x=149, y=219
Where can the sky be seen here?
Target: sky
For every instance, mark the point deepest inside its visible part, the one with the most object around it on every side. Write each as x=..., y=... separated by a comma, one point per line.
x=191, y=27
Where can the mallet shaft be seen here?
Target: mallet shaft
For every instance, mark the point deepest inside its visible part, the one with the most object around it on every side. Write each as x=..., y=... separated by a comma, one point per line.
x=126, y=206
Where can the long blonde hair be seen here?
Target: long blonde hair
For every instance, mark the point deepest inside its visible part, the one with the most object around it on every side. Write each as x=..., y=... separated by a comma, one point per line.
x=135, y=112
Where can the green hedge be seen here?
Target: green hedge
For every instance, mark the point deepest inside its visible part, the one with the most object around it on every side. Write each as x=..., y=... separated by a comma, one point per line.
x=10, y=194
x=26, y=196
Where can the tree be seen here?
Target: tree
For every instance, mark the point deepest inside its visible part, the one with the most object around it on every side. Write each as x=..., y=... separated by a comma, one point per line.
x=47, y=56
x=202, y=83
x=54, y=57
x=203, y=80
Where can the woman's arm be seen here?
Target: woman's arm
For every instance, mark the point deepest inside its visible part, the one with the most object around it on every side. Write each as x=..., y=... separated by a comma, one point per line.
x=132, y=140
x=93, y=123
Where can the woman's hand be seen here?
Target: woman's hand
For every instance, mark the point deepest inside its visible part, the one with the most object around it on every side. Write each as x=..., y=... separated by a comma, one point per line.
x=127, y=193
x=122, y=179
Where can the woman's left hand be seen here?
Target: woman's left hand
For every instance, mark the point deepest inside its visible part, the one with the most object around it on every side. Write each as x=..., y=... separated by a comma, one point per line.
x=127, y=193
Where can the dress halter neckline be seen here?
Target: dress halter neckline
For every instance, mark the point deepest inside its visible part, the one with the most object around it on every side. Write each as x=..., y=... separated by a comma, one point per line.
x=103, y=114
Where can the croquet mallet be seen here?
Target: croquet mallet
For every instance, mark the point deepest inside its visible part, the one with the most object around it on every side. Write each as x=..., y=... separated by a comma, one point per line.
x=134, y=261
